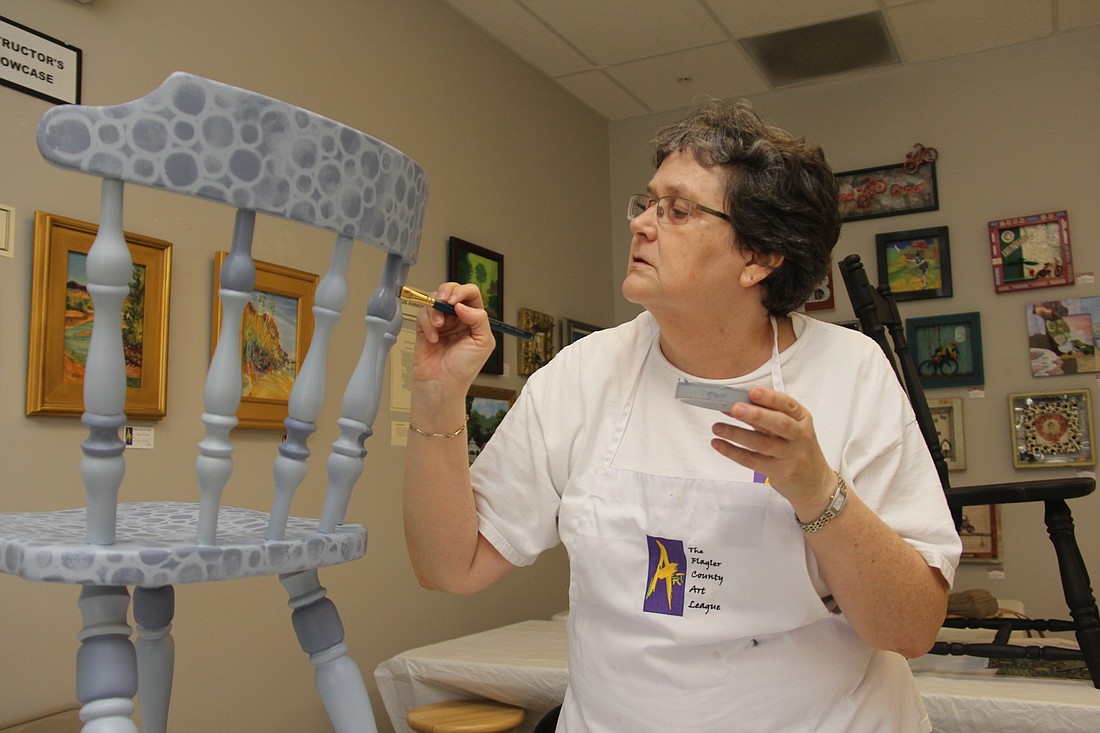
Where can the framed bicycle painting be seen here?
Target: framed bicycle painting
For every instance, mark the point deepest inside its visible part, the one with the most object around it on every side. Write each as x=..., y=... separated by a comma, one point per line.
x=947, y=349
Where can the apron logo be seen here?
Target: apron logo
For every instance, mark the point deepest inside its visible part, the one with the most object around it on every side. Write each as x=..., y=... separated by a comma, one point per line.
x=665, y=578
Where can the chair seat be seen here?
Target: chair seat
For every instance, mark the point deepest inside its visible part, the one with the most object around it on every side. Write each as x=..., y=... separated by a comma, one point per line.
x=1023, y=491
x=156, y=546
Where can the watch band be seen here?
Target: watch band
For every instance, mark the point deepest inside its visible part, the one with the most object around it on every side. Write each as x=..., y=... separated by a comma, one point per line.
x=836, y=504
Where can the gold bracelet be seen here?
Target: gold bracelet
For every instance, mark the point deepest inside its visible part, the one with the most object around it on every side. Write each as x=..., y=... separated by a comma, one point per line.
x=456, y=433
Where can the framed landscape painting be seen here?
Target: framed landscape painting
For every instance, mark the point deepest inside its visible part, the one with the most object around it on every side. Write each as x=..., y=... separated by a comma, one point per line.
x=276, y=329
x=470, y=263
x=62, y=316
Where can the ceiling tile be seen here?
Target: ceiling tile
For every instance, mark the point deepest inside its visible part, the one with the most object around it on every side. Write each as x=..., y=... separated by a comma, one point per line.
x=940, y=28
x=597, y=90
x=524, y=34
x=613, y=31
x=721, y=71
x=745, y=18
x=1077, y=14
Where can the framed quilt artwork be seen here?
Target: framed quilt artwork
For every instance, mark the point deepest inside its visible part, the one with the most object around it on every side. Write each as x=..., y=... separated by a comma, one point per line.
x=1052, y=429
x=1031, y=252
x=887, y=190
x=1062, y=336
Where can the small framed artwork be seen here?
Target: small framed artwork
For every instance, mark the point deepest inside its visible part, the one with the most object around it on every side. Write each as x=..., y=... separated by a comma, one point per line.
x=574, y=331
x=980, y=533
x=483, y=267
x=1031, y=252
x=916, y=264
x=947, y=349
x=869, y=193
x=62, y=315
x=538, y=350
x=276, y=329
x=1061, y=336
x=485, y=408
x=822, y=298
x=7, y=231
x=1051, y=429
x=947, y=416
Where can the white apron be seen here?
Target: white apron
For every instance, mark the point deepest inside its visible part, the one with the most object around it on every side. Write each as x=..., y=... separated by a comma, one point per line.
x=692, y=609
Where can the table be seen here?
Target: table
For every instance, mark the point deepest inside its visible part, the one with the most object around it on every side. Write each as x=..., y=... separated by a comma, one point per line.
x=525, y=664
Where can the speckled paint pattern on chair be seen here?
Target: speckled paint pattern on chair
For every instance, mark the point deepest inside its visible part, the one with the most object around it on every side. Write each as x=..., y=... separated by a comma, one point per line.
x=283, y=160
x=157, y=548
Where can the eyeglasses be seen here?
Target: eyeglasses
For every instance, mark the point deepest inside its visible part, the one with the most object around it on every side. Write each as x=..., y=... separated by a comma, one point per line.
x=670, y=209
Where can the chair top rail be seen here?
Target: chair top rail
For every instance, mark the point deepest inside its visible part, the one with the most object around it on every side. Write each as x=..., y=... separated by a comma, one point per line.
x=203, y=138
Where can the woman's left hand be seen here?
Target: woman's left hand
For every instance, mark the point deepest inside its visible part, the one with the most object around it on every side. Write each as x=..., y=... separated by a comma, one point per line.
x=783, y=446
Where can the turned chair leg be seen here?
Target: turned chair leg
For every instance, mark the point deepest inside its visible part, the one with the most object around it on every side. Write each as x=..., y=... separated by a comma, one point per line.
x=1075, y=583
x=106, y=666
x=156, y=654
x=321, y=635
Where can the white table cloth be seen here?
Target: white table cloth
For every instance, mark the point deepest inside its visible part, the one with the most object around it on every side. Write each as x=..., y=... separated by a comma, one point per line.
x=525, y=664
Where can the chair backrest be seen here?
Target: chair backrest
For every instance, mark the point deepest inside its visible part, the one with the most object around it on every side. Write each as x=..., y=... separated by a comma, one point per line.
x=878, y=316
x=198, y=137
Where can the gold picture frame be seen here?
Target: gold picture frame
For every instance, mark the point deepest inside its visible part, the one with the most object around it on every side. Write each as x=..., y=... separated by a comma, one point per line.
x=61, y=318
x=539, y=349
x=281, y=310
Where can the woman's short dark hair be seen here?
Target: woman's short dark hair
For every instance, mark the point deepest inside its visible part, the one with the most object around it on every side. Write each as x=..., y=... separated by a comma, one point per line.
x=780, y=192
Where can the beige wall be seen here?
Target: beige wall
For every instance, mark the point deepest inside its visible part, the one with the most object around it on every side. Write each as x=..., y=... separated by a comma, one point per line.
x=515, y=165
x=508, y=154
x=1015, y=129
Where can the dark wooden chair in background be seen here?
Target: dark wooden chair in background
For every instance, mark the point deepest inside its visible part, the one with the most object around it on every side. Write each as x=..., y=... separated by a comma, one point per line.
x=878, y=316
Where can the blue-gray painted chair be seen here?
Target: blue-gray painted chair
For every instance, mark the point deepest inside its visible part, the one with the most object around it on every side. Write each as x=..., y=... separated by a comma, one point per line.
x=197, y=137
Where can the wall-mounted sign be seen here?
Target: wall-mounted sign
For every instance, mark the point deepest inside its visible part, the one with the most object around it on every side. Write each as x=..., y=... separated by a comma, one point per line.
x=41, y=66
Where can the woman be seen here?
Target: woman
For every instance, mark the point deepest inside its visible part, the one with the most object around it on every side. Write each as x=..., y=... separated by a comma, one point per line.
x=766, y=570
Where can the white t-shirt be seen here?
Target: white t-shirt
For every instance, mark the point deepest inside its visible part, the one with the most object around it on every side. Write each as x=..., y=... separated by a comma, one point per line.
x=862, y=418
x=533, y=485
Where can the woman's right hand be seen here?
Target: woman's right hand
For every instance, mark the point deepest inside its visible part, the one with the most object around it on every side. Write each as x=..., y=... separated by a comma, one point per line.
x=451, y=350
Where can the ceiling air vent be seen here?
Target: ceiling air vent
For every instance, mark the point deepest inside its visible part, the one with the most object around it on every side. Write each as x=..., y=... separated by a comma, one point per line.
x=801, y=54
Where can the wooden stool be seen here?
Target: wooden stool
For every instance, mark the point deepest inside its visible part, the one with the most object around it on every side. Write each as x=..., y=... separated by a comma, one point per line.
x=465, y=716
